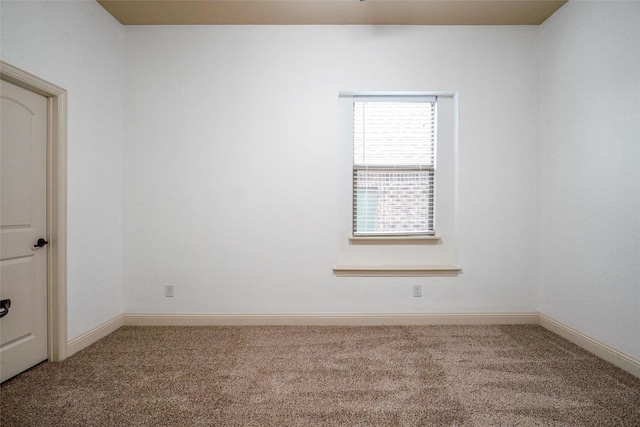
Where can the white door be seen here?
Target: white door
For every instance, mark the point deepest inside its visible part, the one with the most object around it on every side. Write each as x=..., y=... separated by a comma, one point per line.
x=23, y=197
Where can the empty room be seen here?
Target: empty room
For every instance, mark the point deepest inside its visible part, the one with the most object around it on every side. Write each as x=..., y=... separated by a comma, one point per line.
x=320, y=212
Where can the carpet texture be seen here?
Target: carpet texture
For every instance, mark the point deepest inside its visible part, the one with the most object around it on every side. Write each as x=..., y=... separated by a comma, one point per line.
x=325, y=376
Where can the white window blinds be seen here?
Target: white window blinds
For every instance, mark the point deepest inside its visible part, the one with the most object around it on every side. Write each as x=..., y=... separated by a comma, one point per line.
x=394, y=146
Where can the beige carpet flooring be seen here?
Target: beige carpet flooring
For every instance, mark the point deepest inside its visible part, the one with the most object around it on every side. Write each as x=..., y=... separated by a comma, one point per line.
x=325, y=376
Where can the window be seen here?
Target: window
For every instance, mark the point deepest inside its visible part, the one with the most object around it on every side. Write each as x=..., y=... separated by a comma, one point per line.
x=397, y=187
x=394, y=152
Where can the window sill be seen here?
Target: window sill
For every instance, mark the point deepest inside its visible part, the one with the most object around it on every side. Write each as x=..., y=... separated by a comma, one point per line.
x=395, y=240
x=447, y=270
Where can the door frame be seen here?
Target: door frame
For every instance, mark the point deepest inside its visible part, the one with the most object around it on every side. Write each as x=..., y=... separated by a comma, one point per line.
x=56, y=204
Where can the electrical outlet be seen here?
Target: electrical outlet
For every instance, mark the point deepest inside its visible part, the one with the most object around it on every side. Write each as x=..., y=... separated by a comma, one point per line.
x=417, y=290
x=168, y=291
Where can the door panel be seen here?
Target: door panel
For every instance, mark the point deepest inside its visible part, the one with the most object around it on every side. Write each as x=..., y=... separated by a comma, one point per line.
x=18, y=324
x=23, y=267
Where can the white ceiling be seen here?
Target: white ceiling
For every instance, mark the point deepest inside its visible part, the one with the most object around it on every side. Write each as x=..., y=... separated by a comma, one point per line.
x=331, y=12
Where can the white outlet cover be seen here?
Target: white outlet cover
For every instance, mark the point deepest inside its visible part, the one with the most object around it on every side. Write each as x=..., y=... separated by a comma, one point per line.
x=168, y=291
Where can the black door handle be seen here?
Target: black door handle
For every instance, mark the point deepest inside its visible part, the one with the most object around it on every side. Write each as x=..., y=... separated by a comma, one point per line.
x=40, y=243
x=4, y=307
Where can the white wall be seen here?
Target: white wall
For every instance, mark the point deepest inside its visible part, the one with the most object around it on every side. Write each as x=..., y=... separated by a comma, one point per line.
x=590, y=163
x=233, y=159
x=217, y=120
x=79, y=47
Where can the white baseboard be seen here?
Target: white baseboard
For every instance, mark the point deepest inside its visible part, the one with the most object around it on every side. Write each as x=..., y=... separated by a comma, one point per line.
x=328, y=319
x=600, y=349
x=93, y=335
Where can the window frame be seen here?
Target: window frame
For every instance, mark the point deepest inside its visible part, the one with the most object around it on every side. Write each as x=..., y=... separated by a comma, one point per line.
x=428, y=233
x=406, y=256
